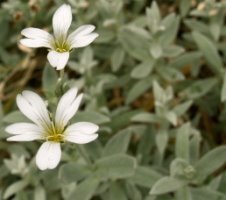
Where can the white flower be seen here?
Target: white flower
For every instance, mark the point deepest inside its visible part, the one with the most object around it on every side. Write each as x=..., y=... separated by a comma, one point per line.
x=60, y=44
x=53, y=131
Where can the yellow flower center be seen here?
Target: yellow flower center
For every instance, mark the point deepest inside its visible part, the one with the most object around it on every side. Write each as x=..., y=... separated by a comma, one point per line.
x=61, y=46
x=56, y=138
x=54, y=133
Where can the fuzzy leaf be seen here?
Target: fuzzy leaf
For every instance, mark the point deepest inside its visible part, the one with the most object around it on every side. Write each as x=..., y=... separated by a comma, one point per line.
x=118, y=143
x=211, y=161
x=85, y=189
x=209, y=51
x=166, y=185
x=115, y=167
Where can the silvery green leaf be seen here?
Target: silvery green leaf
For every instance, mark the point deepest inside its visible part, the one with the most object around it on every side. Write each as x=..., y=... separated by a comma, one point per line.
x=73, y=172
x=216, y=182
x=115, y=167
x=197, y=25
x=184, y=8
x=145, y=146
x=195, y=143
x=133, y=192
x=91, y=116
x=172, y=51
x=209, y=51
x=15, y=187
x=15, y=116
x=199, y=88
x=170, y=73
x=17, y=165
x=109, y=22
x=146, y=118
x=217, y=158
x=117, y=59
x=91, y=150
x=143, y=70
x=199, y=13
x=171, y=117
x=171, y=22
x=116, y=191
x=85, y=190
x=156, y=50
x=159, y=94
x=49, y=80
x=51, y=180
x=161, y=139
x=137, y=45
x=145, y=176
x=39, y=193
x=106, y=36
x=139, y=88
x=1, y=112
x=68, y=189
x=182, y=108
x=184, y=193
x=122, y=119
x=223, y=90
x=4, y=171
x=203, y=193
x=187, y=59
x=162, y=96
x=153, y=17
x=215, y=30
x=167, y=184
x=182, y=142
x=118, y=143
x=153, y=198
x=86, y=59
x=216, y=24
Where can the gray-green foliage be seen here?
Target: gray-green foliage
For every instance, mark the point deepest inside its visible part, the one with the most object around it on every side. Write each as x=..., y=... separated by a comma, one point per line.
x=155, y=83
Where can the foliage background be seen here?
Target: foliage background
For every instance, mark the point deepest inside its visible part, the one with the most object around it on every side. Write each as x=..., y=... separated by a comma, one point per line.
x=154, y=81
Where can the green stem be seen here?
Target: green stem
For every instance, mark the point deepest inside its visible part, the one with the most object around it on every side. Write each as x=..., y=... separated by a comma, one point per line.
x=61, y=74
x=59, y=88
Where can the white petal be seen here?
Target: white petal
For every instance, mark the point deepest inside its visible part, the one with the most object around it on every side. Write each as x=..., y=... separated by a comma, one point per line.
x=33, y=107
x=82, y=127
x=68, y=111
x=58, y=60
x=83, y=40
x=67, y=107
x=34, y=43
x=81, y=31
x=23, y=128
x=36, y=38
x=62, y=20
x=80, y=138
x=72, y=109
x=48, y=155
x=24, y=137
x=64, y=101
x=81, y=132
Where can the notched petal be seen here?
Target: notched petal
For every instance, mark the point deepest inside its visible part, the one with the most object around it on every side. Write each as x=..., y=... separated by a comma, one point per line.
x=48, y=155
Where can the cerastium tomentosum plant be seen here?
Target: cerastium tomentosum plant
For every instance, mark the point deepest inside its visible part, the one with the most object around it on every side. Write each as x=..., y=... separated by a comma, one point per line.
x=60, y=44
x=53, y=130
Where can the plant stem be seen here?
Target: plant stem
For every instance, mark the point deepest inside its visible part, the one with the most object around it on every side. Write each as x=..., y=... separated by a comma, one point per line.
x=61, y=74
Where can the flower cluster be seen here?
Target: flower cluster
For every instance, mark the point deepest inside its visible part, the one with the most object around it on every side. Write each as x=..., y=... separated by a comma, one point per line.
x=54, y=128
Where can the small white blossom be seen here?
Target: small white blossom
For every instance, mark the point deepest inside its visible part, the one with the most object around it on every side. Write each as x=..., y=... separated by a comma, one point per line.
x=53, y=130
x=60, y=44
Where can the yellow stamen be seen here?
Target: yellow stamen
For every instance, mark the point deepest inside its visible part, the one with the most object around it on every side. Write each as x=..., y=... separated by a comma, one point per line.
x=54, y=133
